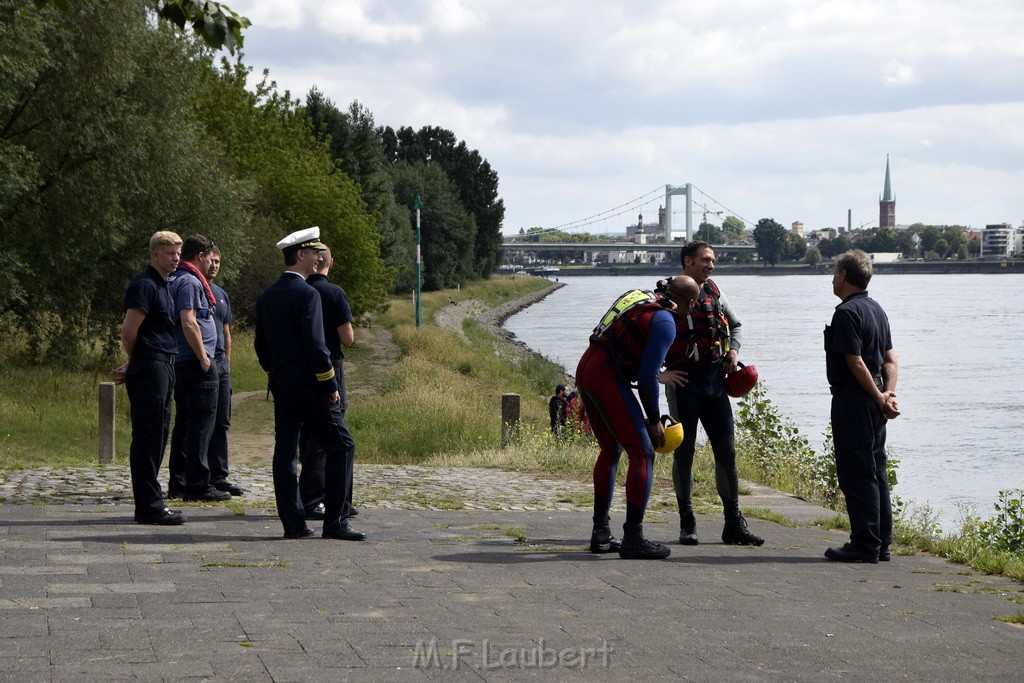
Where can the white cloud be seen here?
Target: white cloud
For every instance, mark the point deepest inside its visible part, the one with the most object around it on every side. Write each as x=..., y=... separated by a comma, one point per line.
x=897, y=75
x=783, y=110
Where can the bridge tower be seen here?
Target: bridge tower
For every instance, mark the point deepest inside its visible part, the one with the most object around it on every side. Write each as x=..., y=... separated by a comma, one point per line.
x=670, y=192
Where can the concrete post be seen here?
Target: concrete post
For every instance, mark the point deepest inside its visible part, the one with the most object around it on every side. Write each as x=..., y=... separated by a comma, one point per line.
x=509, y=419
x=106, y=430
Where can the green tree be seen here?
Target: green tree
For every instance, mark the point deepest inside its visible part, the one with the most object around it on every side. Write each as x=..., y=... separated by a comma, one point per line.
x=214, y=22
x=476, y=183
x=770, y=238
x=734, y=228
x=796, y=246
x=812, y=257
x=355, y=147
x=99, y=148
x=448, y=231
x=269, y=140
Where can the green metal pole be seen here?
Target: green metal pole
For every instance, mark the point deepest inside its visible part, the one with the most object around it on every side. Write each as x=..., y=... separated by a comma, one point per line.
x=419, y=265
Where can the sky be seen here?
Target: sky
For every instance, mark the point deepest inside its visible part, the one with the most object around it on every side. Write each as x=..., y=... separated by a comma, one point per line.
x=785, y=109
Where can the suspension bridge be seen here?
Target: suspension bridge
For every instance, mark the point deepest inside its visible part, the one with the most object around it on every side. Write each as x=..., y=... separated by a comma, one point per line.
x=660, y=238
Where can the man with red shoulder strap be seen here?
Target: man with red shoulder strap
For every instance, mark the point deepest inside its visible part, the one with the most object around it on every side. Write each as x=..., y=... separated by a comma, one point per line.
x=703, y=353
x=631, y=349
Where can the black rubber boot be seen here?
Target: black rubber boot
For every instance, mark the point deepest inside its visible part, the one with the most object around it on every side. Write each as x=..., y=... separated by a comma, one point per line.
x=602, y=541
x=636, y=547
x=688, y=528
x=737, y=533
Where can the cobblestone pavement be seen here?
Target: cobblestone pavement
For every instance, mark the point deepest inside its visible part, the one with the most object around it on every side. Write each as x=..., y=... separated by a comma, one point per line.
x=380, y=486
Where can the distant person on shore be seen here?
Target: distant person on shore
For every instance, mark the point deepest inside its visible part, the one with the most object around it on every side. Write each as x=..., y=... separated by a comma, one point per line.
x=862, y=370
x=290, y=346
x=338, y=333
x=703, y=354
x=147, y=336
x=217, y=454
x=558, y=409
x=629, y=346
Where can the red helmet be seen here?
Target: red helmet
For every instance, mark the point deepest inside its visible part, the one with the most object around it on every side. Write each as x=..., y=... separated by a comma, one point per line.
x=740, y=382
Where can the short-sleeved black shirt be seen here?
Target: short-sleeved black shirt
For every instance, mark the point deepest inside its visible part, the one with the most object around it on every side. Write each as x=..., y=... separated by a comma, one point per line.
x=336, y=309
x=148, y=292
x=859, y=327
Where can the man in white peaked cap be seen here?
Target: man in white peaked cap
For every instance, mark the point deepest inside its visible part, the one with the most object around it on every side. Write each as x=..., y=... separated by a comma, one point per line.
x=290, y=346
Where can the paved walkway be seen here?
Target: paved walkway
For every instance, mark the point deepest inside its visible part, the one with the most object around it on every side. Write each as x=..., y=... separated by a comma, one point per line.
x=500, y=588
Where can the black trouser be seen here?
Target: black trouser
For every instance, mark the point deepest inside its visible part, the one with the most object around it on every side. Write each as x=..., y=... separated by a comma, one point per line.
x=217, y=454
x=150, y=385
x=312, y=456
x=858, y=435
x=703, y=399
x=195, y=400
x=307, y=407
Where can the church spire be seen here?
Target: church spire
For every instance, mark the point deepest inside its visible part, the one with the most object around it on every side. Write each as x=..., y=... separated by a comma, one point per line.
x=887, y=202
x=887, y=190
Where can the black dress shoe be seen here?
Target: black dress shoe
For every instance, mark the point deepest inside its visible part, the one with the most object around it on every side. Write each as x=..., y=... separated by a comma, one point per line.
x=353, y=511
x=305, y=532
x=164, y=518
x=233, y=489
x=174, y=495
x=210, y=495
x=345, y=534
x=884, y=555
x=848, y=553
x=317, y=512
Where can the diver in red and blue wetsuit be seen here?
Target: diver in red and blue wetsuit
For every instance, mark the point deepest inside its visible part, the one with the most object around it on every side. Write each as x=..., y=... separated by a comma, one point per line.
x=629, y=346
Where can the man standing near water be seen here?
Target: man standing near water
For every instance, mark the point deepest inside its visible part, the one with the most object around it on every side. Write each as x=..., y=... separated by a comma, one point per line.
x=704, y=353
x=862, y=370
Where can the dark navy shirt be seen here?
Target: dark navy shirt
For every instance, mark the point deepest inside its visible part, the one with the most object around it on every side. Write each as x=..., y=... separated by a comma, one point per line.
x=860, y=328
x=337, y=312
x=222, y=314
x=148, y=292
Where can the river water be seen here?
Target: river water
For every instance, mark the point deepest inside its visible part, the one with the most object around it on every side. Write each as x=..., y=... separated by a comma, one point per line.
x=960, y=437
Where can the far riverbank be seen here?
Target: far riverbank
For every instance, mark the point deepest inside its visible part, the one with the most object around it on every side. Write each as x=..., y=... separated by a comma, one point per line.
x=902, y=268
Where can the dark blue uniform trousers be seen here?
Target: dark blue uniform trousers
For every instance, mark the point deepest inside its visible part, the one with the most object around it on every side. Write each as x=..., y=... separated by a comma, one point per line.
x=858, y=434
x=295, y=408
x=195, y=399
x=150, y=386
x=312, y=457
x=217, y=454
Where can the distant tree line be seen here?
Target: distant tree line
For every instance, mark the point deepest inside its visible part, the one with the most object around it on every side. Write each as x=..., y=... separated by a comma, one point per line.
x=113, y=126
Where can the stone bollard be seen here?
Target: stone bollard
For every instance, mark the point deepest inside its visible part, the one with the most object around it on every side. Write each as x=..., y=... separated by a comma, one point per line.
x=509, y=419
x=106, y=430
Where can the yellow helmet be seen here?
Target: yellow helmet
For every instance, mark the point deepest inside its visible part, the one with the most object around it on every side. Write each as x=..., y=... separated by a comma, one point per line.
x=673, y=435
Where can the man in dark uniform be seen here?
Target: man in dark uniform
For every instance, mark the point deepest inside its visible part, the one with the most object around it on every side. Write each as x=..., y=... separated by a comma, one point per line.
x=338, y=332
x=147, y=336
x=862, y=371
x=290, y=346
x=217, y=454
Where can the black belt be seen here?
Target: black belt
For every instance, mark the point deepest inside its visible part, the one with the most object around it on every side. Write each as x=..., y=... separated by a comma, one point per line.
x=154, y=355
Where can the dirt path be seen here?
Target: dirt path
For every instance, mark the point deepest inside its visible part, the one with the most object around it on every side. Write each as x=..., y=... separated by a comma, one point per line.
x=363, y=373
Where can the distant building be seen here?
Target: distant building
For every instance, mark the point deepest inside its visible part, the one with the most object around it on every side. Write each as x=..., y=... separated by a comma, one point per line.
x=998, y=240
x=885, y=256
x=798, y=228
x=887, y=202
